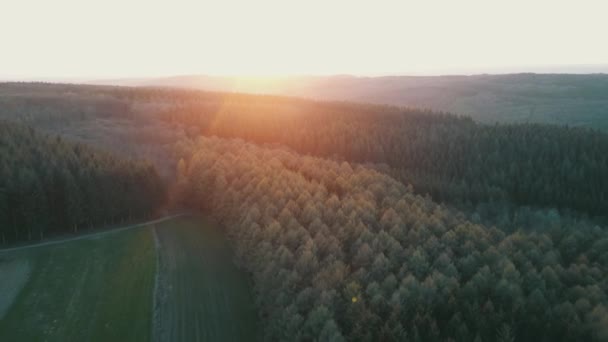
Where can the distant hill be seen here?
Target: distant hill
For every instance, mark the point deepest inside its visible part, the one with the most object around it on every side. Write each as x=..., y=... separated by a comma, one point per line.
x=564, y=99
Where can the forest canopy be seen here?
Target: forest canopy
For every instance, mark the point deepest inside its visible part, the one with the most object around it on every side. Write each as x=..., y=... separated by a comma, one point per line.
x=342, y=252
x=452, y=158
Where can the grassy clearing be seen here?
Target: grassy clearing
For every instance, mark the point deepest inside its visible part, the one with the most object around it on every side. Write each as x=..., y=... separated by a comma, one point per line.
x=201, y=295
x=102, y=288
x=88, y=290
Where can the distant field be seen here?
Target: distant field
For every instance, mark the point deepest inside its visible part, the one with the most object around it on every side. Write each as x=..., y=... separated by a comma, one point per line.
x=202, y=295
x=102, y=288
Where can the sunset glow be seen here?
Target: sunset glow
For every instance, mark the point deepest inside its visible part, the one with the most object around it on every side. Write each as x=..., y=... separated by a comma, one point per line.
x=153, y=38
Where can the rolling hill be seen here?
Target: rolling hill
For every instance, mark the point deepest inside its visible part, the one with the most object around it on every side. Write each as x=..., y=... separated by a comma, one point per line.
x=563, y=99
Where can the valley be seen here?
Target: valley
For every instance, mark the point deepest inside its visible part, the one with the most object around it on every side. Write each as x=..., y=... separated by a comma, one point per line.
x=311, y=220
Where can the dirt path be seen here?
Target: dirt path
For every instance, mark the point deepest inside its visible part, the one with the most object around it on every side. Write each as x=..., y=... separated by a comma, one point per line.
x=91, y=235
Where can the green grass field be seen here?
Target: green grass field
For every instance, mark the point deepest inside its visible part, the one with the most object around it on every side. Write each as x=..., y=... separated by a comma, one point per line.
x=87, y=290
x=103, y=288
x=202, y=295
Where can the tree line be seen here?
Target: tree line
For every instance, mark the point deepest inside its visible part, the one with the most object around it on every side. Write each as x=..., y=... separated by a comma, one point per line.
x=50, y=186
x=340, y=251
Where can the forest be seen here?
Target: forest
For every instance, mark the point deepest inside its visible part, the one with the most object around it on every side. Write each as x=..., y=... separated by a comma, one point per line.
x=51, y=186
x=452, y=158
x=357, y=222
x=343, y=252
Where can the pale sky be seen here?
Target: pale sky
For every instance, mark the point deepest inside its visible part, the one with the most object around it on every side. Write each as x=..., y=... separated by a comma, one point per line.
x=135, y=38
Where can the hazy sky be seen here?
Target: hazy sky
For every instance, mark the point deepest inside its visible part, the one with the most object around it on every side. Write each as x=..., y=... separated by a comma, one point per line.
x=123, y=38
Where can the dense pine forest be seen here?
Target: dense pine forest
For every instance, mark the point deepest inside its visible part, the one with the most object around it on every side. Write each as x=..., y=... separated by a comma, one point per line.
x=357, y=222
x=340, y=251
x=51, y=186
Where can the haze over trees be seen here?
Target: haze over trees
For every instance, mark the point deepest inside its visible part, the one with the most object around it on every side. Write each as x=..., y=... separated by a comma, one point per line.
x=575, y=100
x=452, y=158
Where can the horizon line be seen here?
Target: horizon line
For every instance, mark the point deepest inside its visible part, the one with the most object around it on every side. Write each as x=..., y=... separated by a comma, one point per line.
x=565, y=69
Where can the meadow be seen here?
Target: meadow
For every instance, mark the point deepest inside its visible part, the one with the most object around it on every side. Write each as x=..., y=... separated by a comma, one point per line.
x=97, y=289
x=102, y=288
